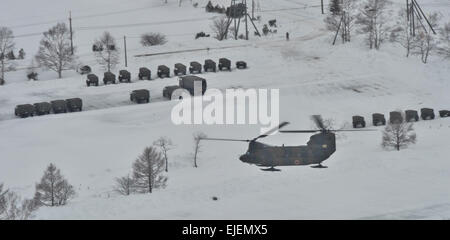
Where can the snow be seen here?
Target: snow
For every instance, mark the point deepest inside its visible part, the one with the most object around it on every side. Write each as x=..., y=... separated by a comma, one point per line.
x=95, y=146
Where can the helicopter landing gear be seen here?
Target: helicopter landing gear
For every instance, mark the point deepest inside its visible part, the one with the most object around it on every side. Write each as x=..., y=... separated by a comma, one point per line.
x=319, y=166
x=271, y=169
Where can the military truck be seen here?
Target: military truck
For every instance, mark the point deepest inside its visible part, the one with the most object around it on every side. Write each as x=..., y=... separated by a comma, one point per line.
x=444, y=113
x=59, y=106
x=124, y=76
x=195, y=67
x=92, y=79
x=358, y=122
x=109, y=77
x=42, y=108
x=140, y=96
x=85, y=70
x=224, y=64
x=427, y=113
x=395, y=117
x=24, y=110
x=241, y=65
x=168, y=90
x=187, y=82
x=144, y=73
x=74, y=104
x=411, y=116
x=179, y=69
x=163, y=71
x=209, y=66
x=378, y=119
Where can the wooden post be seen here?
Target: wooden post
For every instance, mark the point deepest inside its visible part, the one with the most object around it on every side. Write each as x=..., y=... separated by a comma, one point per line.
x=321, y=4
x=71, y=32
x=125, y=48
x=246, y=21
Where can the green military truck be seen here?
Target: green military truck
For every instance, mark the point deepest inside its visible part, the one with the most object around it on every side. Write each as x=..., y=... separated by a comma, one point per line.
x=24, y=110
x=140, y=96
x=42, y=108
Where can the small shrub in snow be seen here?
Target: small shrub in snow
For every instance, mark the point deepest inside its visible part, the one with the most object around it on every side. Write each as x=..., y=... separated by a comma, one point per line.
x=125, y=185
x=152, y=39
x=13, y=208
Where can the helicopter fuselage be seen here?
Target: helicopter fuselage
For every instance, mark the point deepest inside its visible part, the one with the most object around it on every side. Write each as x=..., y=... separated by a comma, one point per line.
x=319, y=148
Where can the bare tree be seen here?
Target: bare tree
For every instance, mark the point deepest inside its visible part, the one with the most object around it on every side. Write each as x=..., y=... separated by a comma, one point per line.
x=444, y=48
x=425, y=41
x=349, y=11
x=109, y=57
x=55, y=52
x=401, y=33
x=373, y=20
x=124, y=185
x=13, y=208
x=54, y=189
x=6, y=46
x=198, y=136
x=165, y=145
x=398, y=135
x=219, y=27
x=342, y=17
x=147, y=171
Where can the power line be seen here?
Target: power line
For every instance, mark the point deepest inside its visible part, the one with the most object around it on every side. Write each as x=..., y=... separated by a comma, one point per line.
x=143, y=24
x=80, y=17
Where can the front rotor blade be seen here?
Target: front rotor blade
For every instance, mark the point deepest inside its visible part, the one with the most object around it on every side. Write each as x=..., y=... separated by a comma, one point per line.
x=299, y=131
x=281, y=125
x=226, y=139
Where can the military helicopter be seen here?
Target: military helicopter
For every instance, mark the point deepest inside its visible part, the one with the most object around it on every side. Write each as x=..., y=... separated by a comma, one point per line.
x=318, y=149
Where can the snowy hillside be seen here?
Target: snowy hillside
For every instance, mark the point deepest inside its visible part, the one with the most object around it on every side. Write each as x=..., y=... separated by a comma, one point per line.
x=97, y=145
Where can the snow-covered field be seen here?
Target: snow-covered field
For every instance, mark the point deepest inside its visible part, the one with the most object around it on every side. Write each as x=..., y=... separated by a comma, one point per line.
x=99, y=144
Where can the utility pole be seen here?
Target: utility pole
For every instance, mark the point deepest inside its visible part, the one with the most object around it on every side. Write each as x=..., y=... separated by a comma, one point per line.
x=416, y=5
x=125, y=48
x=71, y=32
x=246, y=21
x=253, y=9
x=321, y=4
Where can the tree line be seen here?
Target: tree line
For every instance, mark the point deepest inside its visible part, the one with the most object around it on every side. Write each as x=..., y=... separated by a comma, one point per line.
x=375, y=20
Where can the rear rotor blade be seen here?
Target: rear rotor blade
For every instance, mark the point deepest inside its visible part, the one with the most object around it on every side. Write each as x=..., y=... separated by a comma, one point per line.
x=354, y=130
x=318, y=120
x=226, y=139
x=281, y=125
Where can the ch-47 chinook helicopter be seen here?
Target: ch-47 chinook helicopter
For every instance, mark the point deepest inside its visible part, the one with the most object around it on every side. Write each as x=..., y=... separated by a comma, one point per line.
x=318, y=149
